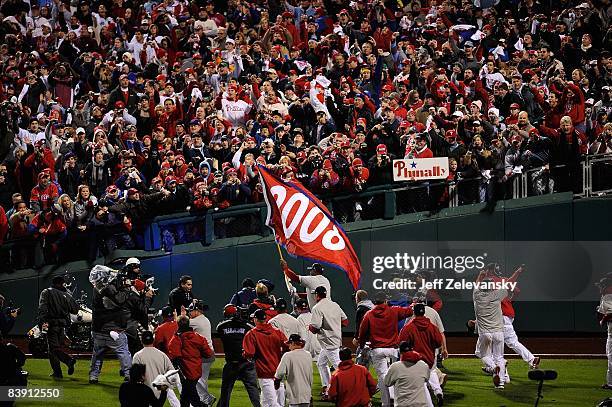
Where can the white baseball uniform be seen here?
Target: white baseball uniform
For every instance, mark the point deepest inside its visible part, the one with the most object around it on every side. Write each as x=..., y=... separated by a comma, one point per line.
x=490, y=325
x=605, y=308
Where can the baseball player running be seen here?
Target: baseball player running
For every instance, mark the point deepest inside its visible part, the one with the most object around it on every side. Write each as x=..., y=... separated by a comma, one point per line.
x=490, y=325
x=605, y=319
x=510, y=337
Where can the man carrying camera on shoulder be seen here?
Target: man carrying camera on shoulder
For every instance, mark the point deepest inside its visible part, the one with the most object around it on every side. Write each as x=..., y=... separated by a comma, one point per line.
x=54, y=308
x=113, y=305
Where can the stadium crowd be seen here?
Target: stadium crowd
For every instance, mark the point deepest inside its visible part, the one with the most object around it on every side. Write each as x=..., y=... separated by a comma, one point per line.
x=114, y=112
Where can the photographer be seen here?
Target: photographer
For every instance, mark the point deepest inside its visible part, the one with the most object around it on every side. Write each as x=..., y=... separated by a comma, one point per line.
x=603, y=142
x=39, y=160
x=138, y=303
x=233, y=190
x=380, y=166
x=113, y=305
x=8, y=316
x=356, y=182
x=54, y=308
x=325, y=179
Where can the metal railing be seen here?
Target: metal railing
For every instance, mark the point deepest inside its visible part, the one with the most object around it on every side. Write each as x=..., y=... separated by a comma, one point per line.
x=593, y=177
x=598, y=175
x=388, y=201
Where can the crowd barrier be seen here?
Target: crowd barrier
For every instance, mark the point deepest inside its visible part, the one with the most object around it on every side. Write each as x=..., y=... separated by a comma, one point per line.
x=593, y=177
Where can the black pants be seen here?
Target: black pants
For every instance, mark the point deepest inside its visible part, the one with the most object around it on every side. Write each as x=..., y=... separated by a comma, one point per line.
x=189, y=394
x=57, y=353
x=244, y=371
x=134, y=344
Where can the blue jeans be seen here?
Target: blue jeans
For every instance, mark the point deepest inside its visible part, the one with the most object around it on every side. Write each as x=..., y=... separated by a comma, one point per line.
x=103, y=342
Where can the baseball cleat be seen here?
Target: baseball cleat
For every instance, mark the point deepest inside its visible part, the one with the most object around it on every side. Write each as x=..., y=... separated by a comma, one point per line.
x=487, y=371
x=496, y=378
x=499, y=387
x=607, y=386
x=535, y=363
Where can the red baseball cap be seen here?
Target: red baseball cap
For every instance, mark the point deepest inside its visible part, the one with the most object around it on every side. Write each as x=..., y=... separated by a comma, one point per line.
x=381, y=149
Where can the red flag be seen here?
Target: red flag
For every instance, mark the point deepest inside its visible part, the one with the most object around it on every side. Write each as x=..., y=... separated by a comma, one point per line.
x=305, y=227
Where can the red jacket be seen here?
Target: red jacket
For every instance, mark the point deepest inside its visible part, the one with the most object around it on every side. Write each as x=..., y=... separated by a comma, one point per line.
x=269, y=308
x=424, y=336
x=507, y=308
x=43, y=197
x=50, y=222
x=4, y=225
x=38, y=164
x=265, y=344
x=351, y=385
x=379, y=325
x=163, y=334
x=190, y=348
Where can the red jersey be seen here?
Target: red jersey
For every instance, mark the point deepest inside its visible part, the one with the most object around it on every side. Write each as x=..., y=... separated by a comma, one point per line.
x=269, y=308
x=265, y=344
x=424, y=336
x=507, y=308
x=189, y=348
x=379, y=325
x=163, y=334
x=351, y=385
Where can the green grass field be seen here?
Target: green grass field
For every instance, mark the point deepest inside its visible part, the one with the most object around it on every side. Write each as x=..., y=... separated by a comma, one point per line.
x=578, y=384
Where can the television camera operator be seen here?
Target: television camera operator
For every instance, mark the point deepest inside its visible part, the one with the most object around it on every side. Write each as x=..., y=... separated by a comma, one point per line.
x=116, y=300
x=54, y=308
x=137, y=319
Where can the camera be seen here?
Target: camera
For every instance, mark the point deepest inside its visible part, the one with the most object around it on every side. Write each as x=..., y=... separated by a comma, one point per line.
x=12, y=308
x=149, y=284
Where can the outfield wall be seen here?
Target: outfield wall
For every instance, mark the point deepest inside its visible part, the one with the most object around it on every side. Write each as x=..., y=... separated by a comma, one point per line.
x=219, y=268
